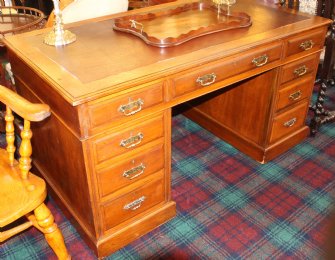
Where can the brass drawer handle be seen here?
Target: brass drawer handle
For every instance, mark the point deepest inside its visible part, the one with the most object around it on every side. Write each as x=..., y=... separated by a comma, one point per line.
x=132, y=107
x=261, y=60
x=132, y=141
x=134, y=172
x=207, y=79
x=290, y=122
x=306, y=45
x=295, y=96
x=134, y=205
x=300, y=71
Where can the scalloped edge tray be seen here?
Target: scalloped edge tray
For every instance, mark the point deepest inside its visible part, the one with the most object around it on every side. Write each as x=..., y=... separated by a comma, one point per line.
x=133, y=24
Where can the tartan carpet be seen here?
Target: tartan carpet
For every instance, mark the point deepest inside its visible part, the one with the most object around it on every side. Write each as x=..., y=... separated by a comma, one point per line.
x=228, y=206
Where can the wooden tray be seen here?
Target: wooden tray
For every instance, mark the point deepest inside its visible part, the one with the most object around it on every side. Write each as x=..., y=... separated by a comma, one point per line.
x=175, y=26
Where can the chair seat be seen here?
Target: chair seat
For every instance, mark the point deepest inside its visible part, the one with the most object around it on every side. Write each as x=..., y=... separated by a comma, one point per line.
x=17, y=200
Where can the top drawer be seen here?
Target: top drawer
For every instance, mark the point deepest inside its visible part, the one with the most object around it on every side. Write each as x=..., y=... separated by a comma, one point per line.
x=125, y=106
x=216, y=71
x=312, y=40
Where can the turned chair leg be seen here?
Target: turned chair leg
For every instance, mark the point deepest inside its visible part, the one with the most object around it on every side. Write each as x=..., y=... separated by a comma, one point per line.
x=53, y=235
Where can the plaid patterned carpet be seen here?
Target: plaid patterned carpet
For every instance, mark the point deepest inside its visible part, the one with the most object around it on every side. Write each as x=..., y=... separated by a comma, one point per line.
x=229, y=206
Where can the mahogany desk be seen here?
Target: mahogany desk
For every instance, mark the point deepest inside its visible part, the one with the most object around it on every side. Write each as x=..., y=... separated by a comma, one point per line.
x=106, y=149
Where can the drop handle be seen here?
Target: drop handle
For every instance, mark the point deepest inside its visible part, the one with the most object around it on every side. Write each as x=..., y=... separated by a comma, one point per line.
x=306, y=45
x=290, y=122
x=261, y=60
x=134, y=172
x=295, y=96
x=300, y=71
x=134, y=205
x=207, y=79
x=132, y=141
x=132, y=107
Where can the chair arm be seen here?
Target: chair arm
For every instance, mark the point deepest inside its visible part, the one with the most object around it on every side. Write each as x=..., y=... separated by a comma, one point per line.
x=22, y=107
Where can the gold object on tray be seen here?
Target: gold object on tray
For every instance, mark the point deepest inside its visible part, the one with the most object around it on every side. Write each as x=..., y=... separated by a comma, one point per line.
x=228, y=3
x=170, y=27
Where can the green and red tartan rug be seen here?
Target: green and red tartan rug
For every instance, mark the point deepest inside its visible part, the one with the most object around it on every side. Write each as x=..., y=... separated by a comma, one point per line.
x=229, y=206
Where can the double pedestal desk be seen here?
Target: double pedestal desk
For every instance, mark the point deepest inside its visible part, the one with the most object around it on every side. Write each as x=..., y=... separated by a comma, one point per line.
x=106, y=149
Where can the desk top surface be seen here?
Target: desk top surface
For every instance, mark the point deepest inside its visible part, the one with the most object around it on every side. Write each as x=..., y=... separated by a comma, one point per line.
x=103, y=61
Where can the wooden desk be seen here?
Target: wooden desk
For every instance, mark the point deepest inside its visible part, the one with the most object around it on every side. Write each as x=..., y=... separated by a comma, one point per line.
x=111, y=171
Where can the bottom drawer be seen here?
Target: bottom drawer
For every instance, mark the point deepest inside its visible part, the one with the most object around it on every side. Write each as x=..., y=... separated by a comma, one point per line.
x=133, y=203
x=288, y=122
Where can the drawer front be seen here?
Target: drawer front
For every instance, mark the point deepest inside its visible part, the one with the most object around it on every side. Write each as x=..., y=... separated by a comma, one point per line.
x=313, y=40
x=214, y=72
x=300, y=68
x=130, y=170
x=128, y=139
x=288, y=122
x=125, y=106
x=294, y=92
x=133, y=203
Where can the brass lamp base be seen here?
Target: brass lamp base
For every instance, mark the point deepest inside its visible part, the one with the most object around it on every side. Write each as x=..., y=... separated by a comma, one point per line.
x=59, y=38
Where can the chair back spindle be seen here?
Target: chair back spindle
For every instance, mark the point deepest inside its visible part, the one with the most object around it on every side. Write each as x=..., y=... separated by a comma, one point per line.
x=25, y=150
x=10, y=135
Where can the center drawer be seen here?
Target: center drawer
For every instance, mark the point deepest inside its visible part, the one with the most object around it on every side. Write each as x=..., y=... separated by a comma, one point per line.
x=214, y=72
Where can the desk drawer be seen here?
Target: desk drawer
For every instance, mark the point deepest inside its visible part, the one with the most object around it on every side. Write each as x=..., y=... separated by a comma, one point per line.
x=128, y=139
x=216, y=71
x=288, y=122
x=125, y=106
x=130, y=170
x=313, y=40
x=297, y=90
x=133, y=203
x=300, y=68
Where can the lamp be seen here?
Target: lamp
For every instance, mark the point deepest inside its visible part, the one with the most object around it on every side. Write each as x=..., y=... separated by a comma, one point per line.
x=58, y=36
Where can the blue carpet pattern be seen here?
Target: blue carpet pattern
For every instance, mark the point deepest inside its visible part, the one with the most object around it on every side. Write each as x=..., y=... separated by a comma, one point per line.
x=228, y=206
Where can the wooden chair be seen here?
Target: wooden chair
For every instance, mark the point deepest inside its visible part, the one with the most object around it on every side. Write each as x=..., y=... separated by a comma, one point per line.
x=23, y=193
x=325, y=74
